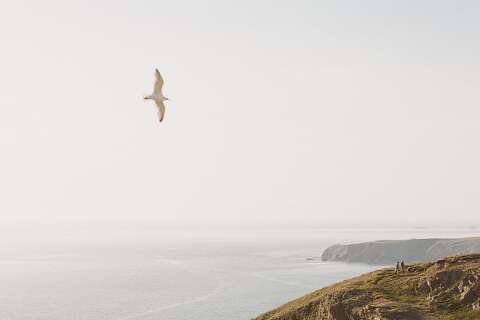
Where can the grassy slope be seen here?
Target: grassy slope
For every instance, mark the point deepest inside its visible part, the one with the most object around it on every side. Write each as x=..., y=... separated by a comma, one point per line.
x=382, y=289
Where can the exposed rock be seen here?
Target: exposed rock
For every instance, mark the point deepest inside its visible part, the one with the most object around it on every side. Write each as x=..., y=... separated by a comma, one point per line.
x=437, y=290
x=476, y=305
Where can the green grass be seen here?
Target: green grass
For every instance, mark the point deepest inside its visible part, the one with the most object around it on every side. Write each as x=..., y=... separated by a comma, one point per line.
x=383, y=287
x=407, y=299
x=465, y=315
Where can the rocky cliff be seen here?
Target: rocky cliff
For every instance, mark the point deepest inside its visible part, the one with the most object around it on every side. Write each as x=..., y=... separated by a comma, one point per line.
x=390, y=251
x=445, y=290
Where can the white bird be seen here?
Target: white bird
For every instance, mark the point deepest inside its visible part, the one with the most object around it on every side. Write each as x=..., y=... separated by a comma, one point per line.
x=158, y=96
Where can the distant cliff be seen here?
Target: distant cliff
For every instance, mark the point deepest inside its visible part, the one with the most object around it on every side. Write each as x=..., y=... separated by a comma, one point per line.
x=447, y=289
x=390, y=251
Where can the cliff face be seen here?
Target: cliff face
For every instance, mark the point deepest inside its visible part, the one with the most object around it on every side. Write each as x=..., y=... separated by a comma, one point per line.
x=445, y=289
x=390, y=251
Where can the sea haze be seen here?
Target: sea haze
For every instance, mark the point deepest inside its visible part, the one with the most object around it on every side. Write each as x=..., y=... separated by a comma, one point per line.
x=204, y=275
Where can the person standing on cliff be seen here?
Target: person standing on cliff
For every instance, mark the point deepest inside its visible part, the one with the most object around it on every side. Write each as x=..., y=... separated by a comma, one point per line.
x=397, y=267
x=402, y=265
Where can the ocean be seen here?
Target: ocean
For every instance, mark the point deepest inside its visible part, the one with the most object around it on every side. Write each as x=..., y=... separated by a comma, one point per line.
x=206, y=275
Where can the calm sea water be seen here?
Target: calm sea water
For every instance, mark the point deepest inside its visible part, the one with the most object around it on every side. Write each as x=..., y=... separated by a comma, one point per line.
x=206, y=276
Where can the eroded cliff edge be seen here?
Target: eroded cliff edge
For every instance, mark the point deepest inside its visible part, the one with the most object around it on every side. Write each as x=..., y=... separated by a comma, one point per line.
x=446, y=289
x=389, y=251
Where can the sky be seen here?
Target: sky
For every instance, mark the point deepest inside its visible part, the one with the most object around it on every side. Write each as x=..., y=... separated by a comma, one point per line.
x=282, y=113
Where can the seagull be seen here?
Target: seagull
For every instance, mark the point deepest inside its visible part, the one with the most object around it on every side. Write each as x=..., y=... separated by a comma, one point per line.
x=157, y=95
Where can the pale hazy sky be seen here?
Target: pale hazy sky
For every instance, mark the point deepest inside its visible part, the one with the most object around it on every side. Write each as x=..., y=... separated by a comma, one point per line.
x=282, y=112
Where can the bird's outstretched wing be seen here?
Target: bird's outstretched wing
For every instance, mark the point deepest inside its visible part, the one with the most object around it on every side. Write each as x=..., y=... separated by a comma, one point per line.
x=161, y=109
x=157, y=88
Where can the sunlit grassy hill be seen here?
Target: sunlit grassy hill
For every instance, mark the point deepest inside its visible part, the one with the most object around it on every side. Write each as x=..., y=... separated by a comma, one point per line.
x=445, y=289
